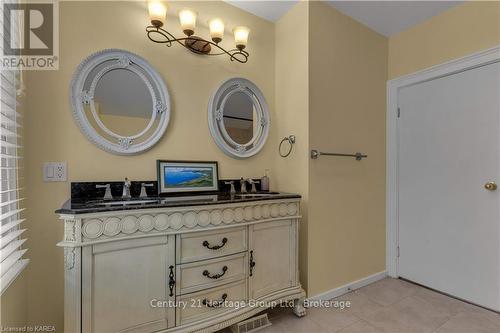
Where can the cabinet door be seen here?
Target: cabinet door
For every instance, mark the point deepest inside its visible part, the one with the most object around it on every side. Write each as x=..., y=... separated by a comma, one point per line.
x=121, y=281
x=273, y=251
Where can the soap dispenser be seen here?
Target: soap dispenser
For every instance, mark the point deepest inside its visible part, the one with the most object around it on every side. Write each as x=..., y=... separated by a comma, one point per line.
x=264, y=181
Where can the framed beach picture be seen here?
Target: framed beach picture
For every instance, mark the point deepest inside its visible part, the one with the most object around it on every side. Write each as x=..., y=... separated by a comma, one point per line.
x=187, y=176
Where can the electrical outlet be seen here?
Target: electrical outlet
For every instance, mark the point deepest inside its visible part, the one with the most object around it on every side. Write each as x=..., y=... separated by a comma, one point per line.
x=55, y=172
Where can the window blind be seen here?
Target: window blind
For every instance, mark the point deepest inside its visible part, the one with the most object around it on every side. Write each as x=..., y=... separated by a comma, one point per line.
x=12, y=232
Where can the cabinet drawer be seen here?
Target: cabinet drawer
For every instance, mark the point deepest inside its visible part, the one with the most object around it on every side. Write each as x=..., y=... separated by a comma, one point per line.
x=211, y=273
x=207, y=303
x=210, y=244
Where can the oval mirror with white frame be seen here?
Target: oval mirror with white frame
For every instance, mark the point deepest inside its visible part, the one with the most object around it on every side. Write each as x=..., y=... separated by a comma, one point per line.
x=238, y=118
x=120, y=103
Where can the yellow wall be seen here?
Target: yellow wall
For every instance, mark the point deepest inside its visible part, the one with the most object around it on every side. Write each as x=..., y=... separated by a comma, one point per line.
x=462, y=30
x=292, y=106
x=328, y=90
x=51, y=134
x=347, y=80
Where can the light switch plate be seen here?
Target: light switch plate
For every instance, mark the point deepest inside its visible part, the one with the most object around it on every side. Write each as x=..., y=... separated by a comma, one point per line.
x=55, y=172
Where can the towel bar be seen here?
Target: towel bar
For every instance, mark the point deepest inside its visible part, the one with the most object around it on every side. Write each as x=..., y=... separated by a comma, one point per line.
x=359, y=156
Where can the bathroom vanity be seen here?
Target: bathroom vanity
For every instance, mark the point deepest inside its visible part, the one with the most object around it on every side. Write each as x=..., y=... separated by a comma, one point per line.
x=192, y=263
x=179, y=264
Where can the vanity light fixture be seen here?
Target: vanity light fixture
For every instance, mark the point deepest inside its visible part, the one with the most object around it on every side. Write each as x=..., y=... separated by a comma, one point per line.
x=198, y=45
x=187, y=18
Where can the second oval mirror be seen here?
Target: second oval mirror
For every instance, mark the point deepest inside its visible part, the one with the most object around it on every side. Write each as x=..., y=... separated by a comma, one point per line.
x=239, y=118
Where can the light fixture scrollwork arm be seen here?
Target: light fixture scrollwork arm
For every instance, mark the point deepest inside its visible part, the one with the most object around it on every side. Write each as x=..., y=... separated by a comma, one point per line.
x=156, y=33
x=195, y=44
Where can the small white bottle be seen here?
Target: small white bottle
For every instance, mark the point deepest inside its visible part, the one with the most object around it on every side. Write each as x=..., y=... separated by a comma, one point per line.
x=264, y=181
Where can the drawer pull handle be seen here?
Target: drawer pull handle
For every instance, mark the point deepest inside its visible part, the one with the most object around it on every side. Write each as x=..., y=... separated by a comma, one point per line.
x=216, y=276
x=171, y=281
x=215, y=247
x=214, y=304
x=252, y=263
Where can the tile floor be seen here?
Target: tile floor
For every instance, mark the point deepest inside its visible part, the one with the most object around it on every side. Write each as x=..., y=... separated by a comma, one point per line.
x=392, y=306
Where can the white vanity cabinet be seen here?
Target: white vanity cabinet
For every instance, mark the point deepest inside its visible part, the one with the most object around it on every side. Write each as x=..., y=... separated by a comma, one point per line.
x=119, y=280
x=183, y=269
x=273, y=257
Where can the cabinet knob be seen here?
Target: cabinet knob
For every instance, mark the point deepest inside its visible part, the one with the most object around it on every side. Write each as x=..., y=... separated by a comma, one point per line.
x=490, y=186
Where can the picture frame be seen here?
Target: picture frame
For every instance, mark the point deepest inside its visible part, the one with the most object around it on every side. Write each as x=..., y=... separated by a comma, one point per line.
x=187, y=176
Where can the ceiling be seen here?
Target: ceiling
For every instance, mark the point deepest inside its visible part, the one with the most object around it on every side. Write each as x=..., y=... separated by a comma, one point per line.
x=386, y=17
x=271, y=10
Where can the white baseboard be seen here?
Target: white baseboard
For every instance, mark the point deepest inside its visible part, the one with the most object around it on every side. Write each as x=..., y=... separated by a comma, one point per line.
x=336, y=292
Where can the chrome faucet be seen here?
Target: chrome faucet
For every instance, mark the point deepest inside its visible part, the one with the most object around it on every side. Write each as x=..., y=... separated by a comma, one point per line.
x=243, y=185
x=253, y=182
x=232, y=190
x=144, y=194
x=107, y=194
x=126, y=189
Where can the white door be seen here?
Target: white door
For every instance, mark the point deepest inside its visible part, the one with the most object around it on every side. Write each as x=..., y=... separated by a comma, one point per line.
x=449, y=223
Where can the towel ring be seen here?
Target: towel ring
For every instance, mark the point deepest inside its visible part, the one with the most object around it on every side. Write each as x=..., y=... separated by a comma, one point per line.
x=291, y=141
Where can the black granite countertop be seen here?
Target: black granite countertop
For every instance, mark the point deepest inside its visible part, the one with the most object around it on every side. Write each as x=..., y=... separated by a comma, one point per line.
x=88, y=205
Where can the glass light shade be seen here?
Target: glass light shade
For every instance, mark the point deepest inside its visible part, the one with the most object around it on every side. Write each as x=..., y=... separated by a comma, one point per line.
x=241, y=37
x=187, y=18
x=216, y=29
x=157, y=13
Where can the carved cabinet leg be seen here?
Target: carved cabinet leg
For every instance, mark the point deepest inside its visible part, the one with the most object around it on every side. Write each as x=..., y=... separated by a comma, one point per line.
x=298, y=308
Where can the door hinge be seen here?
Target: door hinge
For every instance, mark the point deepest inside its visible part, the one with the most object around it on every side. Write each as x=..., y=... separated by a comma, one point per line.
x=399, y=112
x=398, y=252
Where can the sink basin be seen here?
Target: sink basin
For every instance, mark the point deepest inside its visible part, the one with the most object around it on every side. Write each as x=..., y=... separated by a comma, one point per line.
x=255, y=195
x=125, y=203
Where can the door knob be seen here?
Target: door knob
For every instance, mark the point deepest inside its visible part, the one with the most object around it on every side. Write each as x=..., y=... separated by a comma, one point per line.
x=490, y=186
